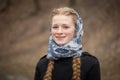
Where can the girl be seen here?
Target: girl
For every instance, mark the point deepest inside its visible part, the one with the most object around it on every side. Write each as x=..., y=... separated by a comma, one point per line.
x=65, y=59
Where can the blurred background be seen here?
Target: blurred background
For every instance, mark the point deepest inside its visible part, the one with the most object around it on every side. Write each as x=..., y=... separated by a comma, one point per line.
x=24, y=33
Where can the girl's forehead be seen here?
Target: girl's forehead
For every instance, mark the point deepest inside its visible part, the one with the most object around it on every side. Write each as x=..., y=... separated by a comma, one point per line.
x=62, y=19
x=62, y=15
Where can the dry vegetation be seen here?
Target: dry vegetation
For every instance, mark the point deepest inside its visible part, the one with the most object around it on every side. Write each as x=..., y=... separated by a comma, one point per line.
x=24, y=35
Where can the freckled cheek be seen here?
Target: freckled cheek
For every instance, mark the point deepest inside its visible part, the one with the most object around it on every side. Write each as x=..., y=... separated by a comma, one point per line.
x=53, y=32
x=70, y=35
x=71, y=32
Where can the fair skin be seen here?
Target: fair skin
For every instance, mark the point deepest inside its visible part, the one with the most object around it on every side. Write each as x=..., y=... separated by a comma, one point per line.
x=63, y=29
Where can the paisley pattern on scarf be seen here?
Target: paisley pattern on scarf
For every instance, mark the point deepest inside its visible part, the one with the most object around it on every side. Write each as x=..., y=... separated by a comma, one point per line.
x=72, y=48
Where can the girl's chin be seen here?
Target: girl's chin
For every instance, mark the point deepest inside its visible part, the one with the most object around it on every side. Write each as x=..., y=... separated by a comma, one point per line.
x=60, y=43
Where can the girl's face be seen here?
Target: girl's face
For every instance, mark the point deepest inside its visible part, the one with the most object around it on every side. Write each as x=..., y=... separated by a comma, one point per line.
x=63, y=29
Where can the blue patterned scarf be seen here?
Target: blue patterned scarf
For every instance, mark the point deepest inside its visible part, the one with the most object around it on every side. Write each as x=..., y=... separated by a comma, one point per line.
x=72, y=48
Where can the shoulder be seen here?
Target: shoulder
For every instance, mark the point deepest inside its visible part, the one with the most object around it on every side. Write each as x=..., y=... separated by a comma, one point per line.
x=90, y=66
x=88, y=55
x=42, y=61
x=89, y=58
x=43, y=57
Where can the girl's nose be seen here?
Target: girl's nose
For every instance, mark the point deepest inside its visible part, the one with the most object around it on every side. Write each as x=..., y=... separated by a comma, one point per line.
x=59, y=30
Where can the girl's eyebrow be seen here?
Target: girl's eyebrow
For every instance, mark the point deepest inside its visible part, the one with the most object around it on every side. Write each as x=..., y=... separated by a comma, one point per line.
x=64, y=24
x=54, y=24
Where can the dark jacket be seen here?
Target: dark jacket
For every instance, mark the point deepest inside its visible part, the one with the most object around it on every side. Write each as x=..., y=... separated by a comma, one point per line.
x=90, y=68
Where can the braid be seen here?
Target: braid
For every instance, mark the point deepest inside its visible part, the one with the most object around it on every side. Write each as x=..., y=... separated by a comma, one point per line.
x=76, y=68
x=48, y=74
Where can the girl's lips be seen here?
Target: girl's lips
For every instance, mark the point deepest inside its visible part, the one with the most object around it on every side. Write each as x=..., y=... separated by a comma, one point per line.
x=60, y=36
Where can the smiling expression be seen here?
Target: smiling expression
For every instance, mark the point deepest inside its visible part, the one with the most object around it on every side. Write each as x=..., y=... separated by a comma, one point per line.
x=63, y=29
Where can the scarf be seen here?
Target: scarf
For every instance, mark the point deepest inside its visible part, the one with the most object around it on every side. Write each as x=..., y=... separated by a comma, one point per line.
x=72, y=48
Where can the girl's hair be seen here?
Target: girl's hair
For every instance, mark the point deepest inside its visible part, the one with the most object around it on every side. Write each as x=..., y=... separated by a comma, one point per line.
x=48, y=74
x=64, y=11
x=76, y=68
x=76, y=63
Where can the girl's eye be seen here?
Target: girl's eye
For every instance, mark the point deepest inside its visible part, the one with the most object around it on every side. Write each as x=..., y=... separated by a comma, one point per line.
x=66, y=27
x=55, y=27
